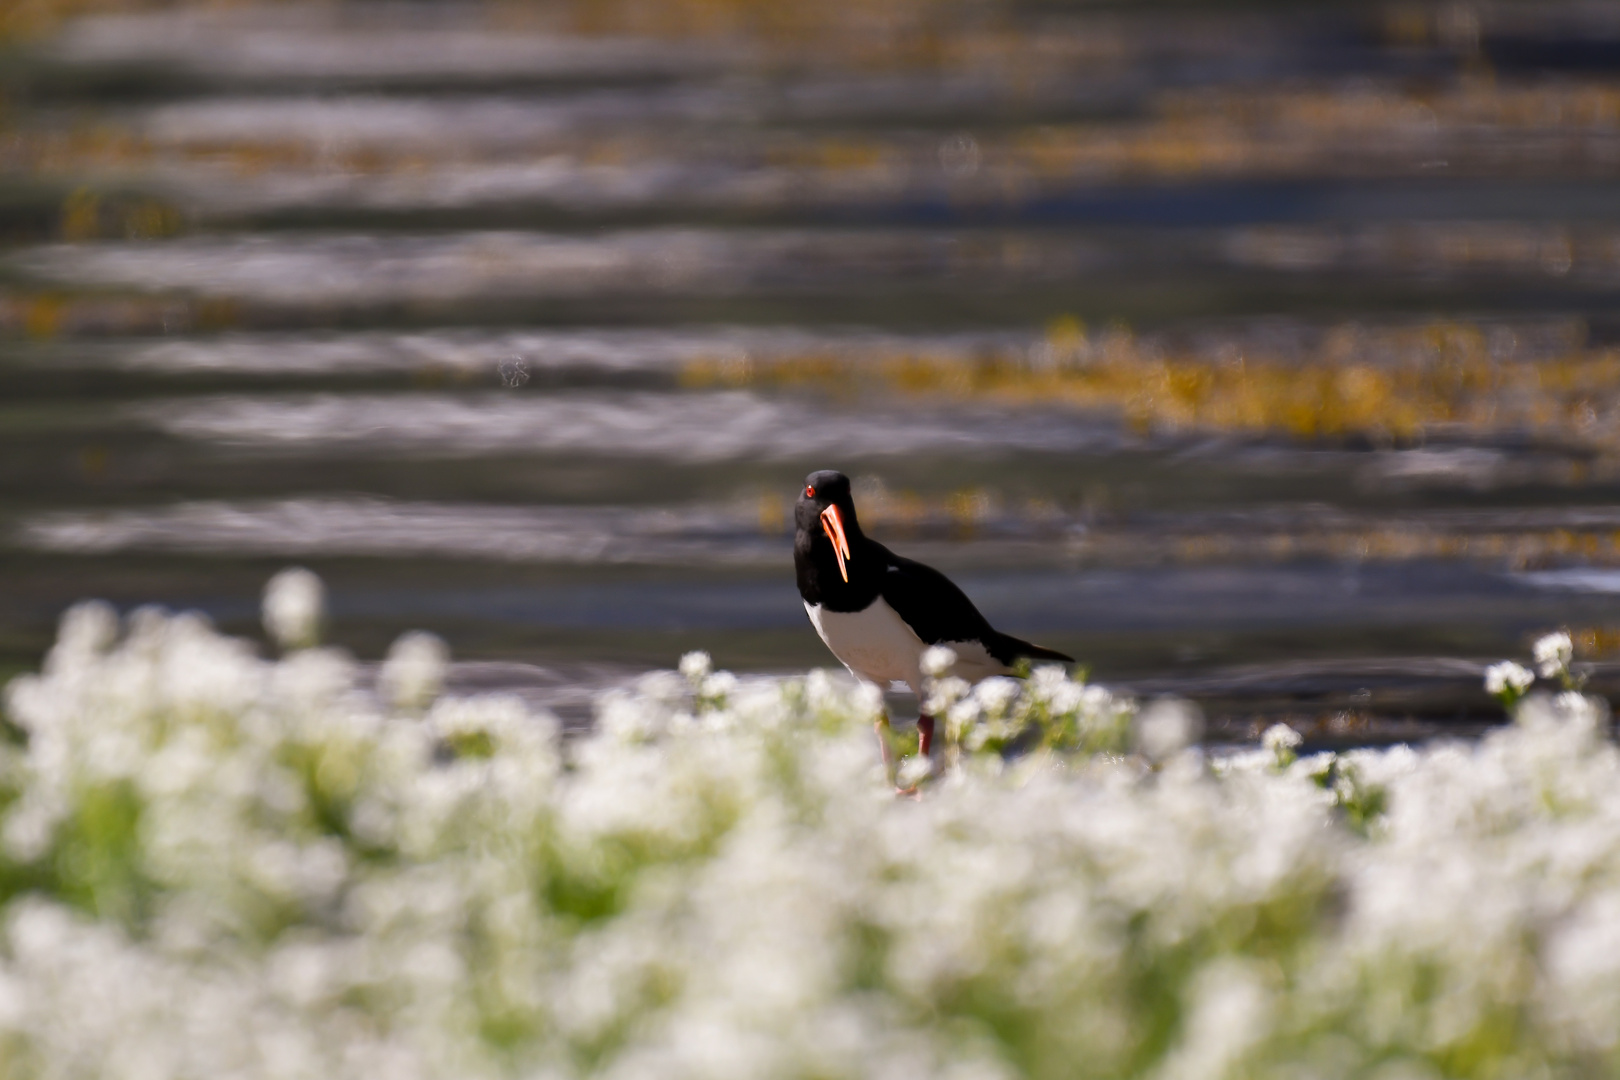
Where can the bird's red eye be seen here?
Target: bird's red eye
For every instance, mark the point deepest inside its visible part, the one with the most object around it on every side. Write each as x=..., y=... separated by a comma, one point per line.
x=809, y=492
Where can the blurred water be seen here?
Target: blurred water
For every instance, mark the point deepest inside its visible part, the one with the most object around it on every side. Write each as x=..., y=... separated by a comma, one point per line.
x=1265, y=355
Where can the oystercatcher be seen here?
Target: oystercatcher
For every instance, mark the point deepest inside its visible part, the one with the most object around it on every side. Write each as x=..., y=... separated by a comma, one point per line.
x=878, y=611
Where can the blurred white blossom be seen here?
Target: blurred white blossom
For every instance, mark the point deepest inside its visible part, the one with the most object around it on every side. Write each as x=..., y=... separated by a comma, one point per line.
x=696, y=666
x=294, y=607
x=913, y=770
x=1169, y=725
x=1552, y=654
x=1508, y=679
x=413, y=674
x=937, y=660
x=1282, y=743
x=212, y=864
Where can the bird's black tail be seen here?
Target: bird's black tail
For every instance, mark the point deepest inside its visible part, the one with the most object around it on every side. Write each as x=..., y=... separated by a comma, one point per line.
x=1010, y=648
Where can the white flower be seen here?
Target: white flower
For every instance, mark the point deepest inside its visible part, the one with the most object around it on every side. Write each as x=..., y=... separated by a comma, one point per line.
x=1500, y=678
x=961, y=716
x=719, y=686
x=1281, y=742
x=1049, y=681
x=913, y=770
x=87, y=629
x=696, y=666
x=937, y=660
x=868, y=700
x=294, y=606
x=325, y=888
x=946, y=693
x=1171, y=724
x=1574, y=703
x=413, y=675
x=1553, y=654
x=996, y=694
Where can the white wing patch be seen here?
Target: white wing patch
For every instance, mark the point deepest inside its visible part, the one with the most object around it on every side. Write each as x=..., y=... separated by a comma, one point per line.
x=877, y=645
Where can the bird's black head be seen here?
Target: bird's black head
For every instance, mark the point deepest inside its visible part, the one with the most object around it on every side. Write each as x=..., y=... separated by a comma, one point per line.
x=823, y=489
x=826, y=531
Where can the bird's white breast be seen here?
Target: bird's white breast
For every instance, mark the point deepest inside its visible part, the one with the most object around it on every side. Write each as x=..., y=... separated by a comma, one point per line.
x=874, y=643
x=877, y=645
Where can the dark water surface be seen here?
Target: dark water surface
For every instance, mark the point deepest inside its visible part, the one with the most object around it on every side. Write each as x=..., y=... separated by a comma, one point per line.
x=1264, y=355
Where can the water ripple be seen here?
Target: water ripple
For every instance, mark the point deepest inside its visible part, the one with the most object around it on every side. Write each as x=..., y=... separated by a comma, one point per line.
x=665, y=350
x=327, y=269
x=691, y=427
x=377, y=527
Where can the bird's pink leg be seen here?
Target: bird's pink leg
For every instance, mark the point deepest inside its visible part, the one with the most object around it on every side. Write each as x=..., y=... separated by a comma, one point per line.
x=925, y=736
x=925, y=748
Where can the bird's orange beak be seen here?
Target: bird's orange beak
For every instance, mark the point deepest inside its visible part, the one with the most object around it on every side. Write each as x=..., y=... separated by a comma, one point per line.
x=832, y=523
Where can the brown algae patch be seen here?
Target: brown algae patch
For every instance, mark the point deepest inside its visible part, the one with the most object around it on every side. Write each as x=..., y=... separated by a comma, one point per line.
x=1390, y=385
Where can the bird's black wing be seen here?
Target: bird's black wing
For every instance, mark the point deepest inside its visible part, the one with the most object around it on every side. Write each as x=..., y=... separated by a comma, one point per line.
x=930, y=603
x=936, y=610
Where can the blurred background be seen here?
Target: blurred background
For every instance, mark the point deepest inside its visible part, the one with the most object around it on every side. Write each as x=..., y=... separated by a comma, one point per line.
x=1261, y=352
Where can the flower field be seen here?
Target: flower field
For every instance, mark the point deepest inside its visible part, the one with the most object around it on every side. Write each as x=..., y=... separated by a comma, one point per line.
x=217, y=865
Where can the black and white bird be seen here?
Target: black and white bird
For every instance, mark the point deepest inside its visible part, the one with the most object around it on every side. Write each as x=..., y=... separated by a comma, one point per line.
x=878, y=612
